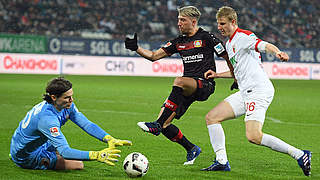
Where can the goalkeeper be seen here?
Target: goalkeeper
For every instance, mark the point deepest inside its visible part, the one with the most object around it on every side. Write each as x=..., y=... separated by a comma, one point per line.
x=38, y=142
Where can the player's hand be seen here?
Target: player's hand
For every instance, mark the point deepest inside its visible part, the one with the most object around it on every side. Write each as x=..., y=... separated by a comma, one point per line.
x=113, y=142
x=282, y=56
x=107, y=156
x=132, y=44
x=234, y=86
x=210, y=74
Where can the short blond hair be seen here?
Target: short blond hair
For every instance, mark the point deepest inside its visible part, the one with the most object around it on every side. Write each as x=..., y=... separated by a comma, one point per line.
x=190, y=11
x=227, y=12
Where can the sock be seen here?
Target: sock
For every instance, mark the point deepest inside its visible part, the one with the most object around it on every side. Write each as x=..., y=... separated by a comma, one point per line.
x=217, y=139
x=174, y=134
x=280, y=146
x=171, y=104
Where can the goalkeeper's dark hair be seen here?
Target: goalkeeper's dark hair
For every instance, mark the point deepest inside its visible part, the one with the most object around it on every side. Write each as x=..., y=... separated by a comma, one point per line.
x=56, y=87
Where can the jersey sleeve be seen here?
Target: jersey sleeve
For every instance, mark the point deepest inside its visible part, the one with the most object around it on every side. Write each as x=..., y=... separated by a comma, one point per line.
x=82, y=121
x=170, y=48
x=250, y=42
x=216, y=44
x=49, y=126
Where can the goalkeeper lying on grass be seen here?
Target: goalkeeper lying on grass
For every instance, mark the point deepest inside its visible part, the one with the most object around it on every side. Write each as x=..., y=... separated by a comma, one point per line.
x=38, y=142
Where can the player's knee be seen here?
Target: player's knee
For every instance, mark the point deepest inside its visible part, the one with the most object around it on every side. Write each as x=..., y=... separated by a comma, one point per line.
x=178, y=81
x=212, y=118
x=71, y=165
x=254, y=137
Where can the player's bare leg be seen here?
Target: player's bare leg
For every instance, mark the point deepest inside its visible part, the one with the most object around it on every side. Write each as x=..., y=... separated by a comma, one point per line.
x=64, y=164
x=182, y=86
x=255, y=135
x=223, y=111
x=254, y=132
x=189, y=85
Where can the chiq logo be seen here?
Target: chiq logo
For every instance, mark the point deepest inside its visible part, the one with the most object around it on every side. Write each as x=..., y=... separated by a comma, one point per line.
x=120, y=66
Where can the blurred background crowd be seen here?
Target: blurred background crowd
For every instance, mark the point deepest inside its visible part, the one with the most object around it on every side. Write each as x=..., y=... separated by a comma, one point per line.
x=286, y=23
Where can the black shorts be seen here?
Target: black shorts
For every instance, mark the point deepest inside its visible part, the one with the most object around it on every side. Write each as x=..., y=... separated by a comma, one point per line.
x=204, y=89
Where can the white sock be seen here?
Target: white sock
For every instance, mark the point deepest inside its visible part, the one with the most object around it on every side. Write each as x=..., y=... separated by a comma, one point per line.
x=217, y=139
x=280, y=146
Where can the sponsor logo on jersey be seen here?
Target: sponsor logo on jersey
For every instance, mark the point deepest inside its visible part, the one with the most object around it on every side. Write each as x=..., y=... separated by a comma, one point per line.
x=233, y=60
x=190, y=45
x=193, y=58
x=54, y=131
x=197, y=43
x=167, y=45
x=219, y=48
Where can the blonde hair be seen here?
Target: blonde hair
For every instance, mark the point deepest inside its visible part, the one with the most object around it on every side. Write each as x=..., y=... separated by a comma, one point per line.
x=227, y=12
x=190, y=11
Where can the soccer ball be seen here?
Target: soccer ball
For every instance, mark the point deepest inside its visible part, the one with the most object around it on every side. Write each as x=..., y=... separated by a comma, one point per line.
x=136, y=165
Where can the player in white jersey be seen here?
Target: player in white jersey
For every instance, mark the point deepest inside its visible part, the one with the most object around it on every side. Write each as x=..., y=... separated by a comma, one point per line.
x=255, y=95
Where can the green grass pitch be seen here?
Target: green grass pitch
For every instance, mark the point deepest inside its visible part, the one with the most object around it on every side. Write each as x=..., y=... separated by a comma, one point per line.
x=117, y=103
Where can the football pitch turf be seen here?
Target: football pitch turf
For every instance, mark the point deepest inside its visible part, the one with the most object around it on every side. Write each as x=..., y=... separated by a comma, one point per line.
x=117, y=103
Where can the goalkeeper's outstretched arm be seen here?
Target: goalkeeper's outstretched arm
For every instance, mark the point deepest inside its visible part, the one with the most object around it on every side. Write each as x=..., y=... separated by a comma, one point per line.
x=95, y=131
x=107, y=155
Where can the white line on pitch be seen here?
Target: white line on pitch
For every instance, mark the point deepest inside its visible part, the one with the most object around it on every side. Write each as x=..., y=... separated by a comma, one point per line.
x=273, y=119
x=290, y=123
x=118, y=112
x=143, y=113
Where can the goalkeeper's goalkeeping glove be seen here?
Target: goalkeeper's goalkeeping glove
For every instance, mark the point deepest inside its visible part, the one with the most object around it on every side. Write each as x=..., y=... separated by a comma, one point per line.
x=107, y=156
x=112, y=142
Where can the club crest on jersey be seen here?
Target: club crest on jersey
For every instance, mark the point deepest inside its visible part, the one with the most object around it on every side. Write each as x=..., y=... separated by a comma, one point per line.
x=197, y=43
x=219, y=48
x=167, y=45
x=54, y=131
x=234, y=49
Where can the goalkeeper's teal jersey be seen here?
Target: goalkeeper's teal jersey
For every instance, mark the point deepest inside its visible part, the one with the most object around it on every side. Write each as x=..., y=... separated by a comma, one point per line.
x=43, y=124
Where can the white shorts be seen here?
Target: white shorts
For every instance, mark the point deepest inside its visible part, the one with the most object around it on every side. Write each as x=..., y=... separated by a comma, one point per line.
x=253, y=104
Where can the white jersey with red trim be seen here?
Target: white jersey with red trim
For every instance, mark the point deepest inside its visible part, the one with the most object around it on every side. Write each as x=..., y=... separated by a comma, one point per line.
x=246, y=61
